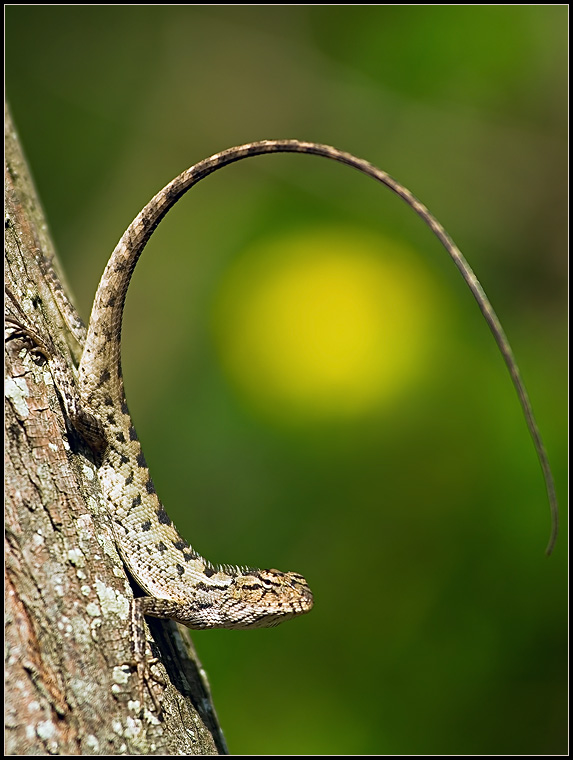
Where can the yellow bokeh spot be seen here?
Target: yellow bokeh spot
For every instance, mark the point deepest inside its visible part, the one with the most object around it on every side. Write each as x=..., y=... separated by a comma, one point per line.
x=328, y=324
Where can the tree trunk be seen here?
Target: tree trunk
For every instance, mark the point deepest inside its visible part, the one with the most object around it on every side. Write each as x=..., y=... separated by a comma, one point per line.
x=70, y=687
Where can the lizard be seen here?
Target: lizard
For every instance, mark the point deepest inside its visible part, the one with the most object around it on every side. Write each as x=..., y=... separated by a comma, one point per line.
x=178, y=582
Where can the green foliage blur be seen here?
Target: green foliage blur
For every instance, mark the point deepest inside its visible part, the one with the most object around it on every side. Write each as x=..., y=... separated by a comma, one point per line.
x=439, y=626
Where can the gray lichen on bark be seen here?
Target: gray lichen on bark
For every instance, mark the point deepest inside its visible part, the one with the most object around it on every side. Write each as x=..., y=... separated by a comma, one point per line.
x=69, y=687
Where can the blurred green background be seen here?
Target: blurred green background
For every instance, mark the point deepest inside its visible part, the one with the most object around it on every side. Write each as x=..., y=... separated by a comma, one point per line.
x=402, y=483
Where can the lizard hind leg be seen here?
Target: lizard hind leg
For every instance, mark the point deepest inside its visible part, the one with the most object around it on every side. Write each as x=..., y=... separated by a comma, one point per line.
x=86, y=424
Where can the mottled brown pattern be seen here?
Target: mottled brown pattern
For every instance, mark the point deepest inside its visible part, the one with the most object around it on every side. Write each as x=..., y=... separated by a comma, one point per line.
x=181, y=584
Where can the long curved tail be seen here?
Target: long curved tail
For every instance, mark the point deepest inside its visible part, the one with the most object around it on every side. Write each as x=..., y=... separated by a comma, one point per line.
x=103, y=340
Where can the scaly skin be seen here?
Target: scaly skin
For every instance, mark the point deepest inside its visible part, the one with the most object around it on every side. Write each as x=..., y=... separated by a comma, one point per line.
x=180, y=583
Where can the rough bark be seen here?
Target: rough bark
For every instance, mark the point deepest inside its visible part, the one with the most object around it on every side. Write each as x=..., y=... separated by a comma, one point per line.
x=69, y=686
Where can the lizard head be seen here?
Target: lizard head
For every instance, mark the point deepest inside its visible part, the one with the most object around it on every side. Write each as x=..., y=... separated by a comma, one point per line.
x=268, y=597
x=253, y=599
